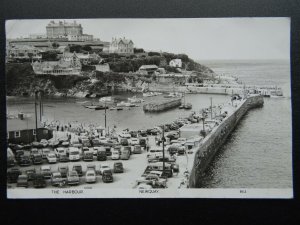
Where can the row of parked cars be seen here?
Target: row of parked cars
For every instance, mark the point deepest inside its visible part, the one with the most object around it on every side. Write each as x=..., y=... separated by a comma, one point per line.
x=63, y=175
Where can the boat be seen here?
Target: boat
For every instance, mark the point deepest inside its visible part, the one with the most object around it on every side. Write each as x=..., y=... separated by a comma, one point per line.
x=121, y=104
x=82, y=102
x=148, y=94
x=134, y=99
x=173, y=95
x=96, y=107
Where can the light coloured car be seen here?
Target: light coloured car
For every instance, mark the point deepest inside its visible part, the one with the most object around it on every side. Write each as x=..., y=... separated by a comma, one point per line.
x=46, y=171
x=134, y=141
x=125, y=134
x=44, y=142
x=72, y=178
x=103, y=167
x=74, y=154
x=56, y=179
x=90, y=176
x=59, y=151
x=115, y=154
x=45, y=152
x=51, y=158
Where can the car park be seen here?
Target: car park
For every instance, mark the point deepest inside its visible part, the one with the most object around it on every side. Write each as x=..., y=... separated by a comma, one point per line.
x=107, y=176
x=137, y=149
x=90, y=176
x=12, y=175
x=51, y=158
x=88, y=156
x=22, y=181
x=63, y=158
x=24, y=160
x=115, y=154
x=72, y=178
x=56, y=179
x=63, y=170
x=118, y=167
x=103, y=167
x=59, y=151
x=101, y=154
x=39, y=181
x=78, y=169
x=46, y=171
x=37, y=159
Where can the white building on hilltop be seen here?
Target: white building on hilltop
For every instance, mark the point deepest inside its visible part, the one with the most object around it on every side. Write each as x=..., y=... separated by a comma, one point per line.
x=121, y=46
x=176, y=63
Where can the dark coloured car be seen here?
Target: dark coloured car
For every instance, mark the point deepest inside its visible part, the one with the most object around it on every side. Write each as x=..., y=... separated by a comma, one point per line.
x=39, y=181
x=63, y=170
x=88, y=156
x=107, y=176
x=133, y=133
x=78, y=169
x=143, y=142
x=173, y=149
x=46, y=171
x=12, y=175
x=124, y=141
x=24, y=161
x=72, y=178
x=37, y=159
x=137, y=149
x=63, y=158
x=143, y=133
x=118, y=167
x=101, y=154
x=10, y=161
x=96, y=142
x=107, y=150
x=56, y=179
x=34, y=151
x=18, y=154
x=30, y=173
x=22, y=181
x=181, y=150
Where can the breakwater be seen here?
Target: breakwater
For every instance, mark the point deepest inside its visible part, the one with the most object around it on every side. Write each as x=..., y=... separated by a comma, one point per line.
x=210, y=145
x=161, y=106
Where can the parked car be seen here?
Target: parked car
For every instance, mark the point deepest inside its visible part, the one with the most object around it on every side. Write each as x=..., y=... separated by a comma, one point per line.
x=124, y=142
x=125, y=134
x=45, y=152
x=60, y=150
x=153, y=178
x=72, y=178
x=78, y=169
x=39, y=181
x=101, y=154
x=86, y=142
x=46, y=171
x=10, y=161
x=34, y=151
x=103, y=167
x=107, y=150
x=51, y=158
x=143, y=142
x=158, y=166
x=134, y=141
x=91, y=167
x=137, y=149
x=22, y=181
x=63, y=170
x=133, y=133
x=74, y=154
x=65, y=144
x=115, y=154
x=107, y=176
x=24, y=160
x=12, y=175
x=44, y=142
x=90, y=176
x=96, y=142
x=88, y=156
x=56, y=179
x=63, y=158
x=142, y=133
x=125, y=153
x=118, y=167
x=37, y=159
x=30, y=173
x=18, y=154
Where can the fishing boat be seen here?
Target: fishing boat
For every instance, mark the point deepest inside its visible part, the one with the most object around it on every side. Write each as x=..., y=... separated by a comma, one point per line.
x=96, y=107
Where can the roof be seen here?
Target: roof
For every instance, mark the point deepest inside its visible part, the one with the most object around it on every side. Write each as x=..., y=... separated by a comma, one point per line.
x=28, y=123
x=149, y=67
x=125, y=41
x=24, y=47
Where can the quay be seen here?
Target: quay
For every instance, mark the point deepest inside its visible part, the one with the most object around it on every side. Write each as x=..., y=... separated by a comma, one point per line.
x=165, y=105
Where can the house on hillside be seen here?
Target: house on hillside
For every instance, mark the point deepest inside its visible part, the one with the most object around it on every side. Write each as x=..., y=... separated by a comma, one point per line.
x=148, y=69
x=23, y=52
x=176, y=63
x=121, y=46
x=85, y=59
x=23, y=130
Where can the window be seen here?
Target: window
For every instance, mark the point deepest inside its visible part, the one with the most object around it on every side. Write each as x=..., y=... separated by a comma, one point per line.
x=17, y=134
x=34, y=132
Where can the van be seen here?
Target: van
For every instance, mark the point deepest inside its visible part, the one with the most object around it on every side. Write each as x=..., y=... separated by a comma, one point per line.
x=125, y=153
x=74, y=154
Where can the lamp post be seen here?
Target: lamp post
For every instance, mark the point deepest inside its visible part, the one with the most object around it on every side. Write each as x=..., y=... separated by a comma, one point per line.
x=35, y=110
x=163, y=145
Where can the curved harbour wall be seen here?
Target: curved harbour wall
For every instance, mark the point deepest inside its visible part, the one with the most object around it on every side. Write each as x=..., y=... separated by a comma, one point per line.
x=165, y=105
x=213, y=141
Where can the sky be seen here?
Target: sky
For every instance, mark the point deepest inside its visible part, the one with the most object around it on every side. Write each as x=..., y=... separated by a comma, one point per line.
x=200, y=39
